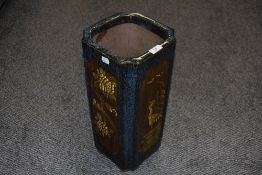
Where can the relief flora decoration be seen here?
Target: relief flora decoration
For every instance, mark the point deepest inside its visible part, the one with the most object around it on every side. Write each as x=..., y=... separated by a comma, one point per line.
x=108, y=89
x=104, y=102
x=102, y=126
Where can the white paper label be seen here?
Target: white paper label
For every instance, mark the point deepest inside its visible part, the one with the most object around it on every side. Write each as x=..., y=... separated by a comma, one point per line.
x=138, y=58
x=155, y=49
x=105, y=60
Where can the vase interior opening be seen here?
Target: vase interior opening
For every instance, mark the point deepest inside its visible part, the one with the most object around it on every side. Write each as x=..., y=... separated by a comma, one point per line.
x=127, y=40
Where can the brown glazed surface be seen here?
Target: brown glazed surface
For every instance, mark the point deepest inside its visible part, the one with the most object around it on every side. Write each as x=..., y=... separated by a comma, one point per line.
x=105, y=116
x=127, y=40
x=151, y=106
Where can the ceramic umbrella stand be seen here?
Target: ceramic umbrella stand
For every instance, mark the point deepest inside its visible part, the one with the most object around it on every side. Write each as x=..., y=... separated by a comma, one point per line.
x=128, y=62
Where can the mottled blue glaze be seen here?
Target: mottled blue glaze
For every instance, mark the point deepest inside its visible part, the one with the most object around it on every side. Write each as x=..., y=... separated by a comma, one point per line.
x=128, y=102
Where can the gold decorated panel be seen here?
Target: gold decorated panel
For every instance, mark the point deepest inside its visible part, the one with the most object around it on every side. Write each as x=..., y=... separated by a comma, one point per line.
x=103, y=93
x=152, y=97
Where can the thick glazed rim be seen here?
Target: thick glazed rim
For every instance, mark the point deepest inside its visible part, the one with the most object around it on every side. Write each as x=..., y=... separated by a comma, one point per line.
x=161, y=30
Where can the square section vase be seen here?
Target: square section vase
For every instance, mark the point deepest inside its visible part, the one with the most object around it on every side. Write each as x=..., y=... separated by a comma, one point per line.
x=128, y=62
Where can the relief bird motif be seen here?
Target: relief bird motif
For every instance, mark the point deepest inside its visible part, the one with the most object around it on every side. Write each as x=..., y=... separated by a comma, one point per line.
x=104, y=84
x=152, y=117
